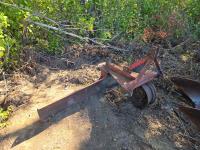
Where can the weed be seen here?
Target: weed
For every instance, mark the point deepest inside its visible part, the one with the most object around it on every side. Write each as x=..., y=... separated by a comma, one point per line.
x=4, y=115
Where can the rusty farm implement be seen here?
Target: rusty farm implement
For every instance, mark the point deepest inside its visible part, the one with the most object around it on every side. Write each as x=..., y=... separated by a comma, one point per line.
x=138, y=75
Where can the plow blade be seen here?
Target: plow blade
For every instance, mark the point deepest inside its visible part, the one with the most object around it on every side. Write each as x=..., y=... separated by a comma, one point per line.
x=96, y=88
x=190, y=88
x=193, y=114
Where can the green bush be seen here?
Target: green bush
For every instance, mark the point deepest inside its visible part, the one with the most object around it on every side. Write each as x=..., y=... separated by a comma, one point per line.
x=4, y=115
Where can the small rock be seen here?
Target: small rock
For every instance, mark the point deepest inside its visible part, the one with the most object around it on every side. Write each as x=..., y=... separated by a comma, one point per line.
x=114, y=139
x=81, y=80
x=66, y=86
x=167, y=108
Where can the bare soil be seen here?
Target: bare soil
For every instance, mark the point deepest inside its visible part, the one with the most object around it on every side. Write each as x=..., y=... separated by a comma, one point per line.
x=96, y=124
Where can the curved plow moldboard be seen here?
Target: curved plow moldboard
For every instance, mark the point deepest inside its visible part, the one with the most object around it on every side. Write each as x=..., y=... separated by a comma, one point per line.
x=193, y=114
x=190, y=88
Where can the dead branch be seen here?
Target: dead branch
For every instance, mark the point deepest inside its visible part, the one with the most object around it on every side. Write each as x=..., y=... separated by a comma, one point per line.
x=5, y=93
x=115, y=37
x=5, y=82
x=86, y=39
x=59, y=29
x=187, y=41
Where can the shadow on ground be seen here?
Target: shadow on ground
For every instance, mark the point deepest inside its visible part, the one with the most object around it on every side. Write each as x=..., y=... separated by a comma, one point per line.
x=112, y=128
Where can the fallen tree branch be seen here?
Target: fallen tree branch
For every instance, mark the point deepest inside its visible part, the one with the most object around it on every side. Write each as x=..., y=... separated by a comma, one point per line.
x=115, y=37
x=59, y=29
x=187, y=41
x=86, y=39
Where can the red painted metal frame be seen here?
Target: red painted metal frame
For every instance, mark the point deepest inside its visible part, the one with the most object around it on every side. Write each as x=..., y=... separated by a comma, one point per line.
x=128, y=81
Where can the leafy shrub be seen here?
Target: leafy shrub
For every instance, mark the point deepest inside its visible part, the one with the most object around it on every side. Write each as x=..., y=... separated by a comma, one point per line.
x=4, y=115
x=10, y=36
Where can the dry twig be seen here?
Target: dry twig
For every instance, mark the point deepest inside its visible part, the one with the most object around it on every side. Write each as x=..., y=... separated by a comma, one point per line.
x=77, y=36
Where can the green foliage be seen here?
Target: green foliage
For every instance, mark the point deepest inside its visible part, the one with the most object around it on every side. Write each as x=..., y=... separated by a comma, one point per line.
x=193, y=13
x=101, y=19
x=4, y=115
x=10, y=35
x=3, y=24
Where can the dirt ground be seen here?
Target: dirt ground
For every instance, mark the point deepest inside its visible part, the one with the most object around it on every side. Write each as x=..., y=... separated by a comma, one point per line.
x=96, y=124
